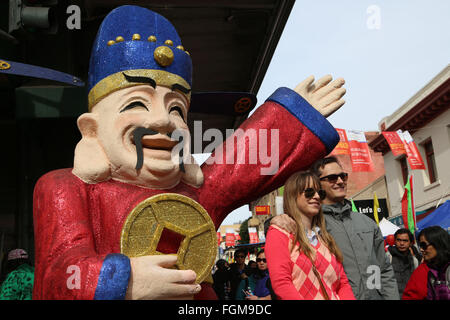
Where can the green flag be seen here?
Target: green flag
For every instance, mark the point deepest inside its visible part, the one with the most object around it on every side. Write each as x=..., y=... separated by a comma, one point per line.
x=353, y=206
x=408, y=212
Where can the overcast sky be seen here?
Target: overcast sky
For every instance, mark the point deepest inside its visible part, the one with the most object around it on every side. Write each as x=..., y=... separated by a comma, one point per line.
x=385, y=50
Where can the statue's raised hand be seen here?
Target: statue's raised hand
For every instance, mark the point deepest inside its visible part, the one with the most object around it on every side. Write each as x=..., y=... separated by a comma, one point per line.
x=324, y=94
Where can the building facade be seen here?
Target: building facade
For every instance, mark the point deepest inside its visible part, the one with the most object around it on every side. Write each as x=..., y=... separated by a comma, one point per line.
x=427, y=118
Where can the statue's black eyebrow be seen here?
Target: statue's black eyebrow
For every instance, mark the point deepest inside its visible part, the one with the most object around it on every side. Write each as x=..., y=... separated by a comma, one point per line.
x=181, y=88
x=140, y=79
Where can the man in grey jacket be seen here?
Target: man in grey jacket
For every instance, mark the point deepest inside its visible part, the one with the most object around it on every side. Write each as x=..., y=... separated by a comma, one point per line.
x=369, y=272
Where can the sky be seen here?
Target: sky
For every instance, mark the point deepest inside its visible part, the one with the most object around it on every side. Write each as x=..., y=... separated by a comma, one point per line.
x=385, y=50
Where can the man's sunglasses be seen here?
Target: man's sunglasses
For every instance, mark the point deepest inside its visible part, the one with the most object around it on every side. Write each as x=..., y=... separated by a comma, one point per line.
x=261, y=260
x=310, y=192
x=424, y=245
x=332, y=178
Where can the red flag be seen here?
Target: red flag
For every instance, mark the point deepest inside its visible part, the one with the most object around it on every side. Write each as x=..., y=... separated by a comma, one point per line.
x=342, y=146
x=359, y=151
x=413, y=154
x=395, y=142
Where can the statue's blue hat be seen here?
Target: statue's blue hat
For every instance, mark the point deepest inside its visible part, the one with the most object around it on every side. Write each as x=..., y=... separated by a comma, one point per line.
x=136, y=42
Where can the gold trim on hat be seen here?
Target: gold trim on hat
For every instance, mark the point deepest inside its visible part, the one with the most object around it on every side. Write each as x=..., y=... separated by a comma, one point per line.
x=117, y=81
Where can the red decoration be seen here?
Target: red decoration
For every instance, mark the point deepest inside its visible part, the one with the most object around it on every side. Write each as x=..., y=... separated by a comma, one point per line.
x=262, y=210
x=390, y=240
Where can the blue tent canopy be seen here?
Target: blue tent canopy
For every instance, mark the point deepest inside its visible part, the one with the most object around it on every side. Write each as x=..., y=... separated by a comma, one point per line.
x=439, y=217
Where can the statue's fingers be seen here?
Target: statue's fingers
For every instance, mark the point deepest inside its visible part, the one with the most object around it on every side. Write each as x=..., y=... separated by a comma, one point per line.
x=333, y=107
x=304, y=85
x=180, y=291
x=164, y=260
x=332, y=96
x=179, y=276
x=333, y=85
x=321, y=82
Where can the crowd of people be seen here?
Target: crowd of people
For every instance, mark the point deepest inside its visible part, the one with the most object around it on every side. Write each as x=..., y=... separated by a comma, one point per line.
x=318, y=249
x=321, y=249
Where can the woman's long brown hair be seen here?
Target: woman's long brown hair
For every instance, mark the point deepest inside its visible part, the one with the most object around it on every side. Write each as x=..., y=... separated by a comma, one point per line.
x=294, y=186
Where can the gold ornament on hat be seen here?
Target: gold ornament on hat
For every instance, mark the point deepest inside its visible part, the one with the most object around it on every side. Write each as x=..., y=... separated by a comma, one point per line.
x=136, y=36
x=166, y=213
x=164, y=56
x=119, y=39
x=4, y=65
x=168, y=42
x=111, y=42
x=152, y=39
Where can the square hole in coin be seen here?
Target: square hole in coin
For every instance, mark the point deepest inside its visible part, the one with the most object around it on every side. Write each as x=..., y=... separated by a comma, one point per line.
x=169, y=242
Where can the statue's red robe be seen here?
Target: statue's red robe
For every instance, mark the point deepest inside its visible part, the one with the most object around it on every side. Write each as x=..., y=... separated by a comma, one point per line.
x=79, y=224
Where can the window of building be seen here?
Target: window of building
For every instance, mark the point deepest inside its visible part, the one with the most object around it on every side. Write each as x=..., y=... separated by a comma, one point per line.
x=404, y=169
x=431, y=162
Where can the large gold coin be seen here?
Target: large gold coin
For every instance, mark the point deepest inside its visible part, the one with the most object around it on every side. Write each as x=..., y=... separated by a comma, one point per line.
x=175, y=221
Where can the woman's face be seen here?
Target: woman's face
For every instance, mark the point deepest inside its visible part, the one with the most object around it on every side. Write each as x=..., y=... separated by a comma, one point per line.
x=261, y=261
x=428, y=250
x=309, y=204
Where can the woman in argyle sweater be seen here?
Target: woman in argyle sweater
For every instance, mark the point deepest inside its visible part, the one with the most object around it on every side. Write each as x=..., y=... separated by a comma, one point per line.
x=308, y=265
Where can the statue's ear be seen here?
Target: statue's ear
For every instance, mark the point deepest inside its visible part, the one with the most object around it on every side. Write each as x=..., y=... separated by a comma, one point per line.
x=90, y=163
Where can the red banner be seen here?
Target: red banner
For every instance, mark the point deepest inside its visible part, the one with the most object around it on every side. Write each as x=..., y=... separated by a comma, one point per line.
x=359, y=151
x=395, y=142
x=253, y=235
x=262, y=210
x=219, y=238
x=229, y=239
x=414, y=158
x=342, y=146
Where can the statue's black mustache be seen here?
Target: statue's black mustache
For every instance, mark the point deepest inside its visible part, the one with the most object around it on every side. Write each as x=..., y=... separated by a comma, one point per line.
x=138, y=133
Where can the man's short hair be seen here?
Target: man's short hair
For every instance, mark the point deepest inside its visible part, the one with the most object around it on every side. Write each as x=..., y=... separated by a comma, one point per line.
x=403, y=231
x=317, y=166
x=240, y=251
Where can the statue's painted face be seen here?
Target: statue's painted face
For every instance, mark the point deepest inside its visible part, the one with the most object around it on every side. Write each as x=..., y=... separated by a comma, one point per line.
x=159, y=111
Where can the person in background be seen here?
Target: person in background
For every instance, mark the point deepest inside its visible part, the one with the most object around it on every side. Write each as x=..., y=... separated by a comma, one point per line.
x=434, y=243
x=18, y=284
x=252, y=265
x=238, y=269
x=358, y=237
x=222, y=280
x=307, y=265
x=256, y=286
x=404, y=257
